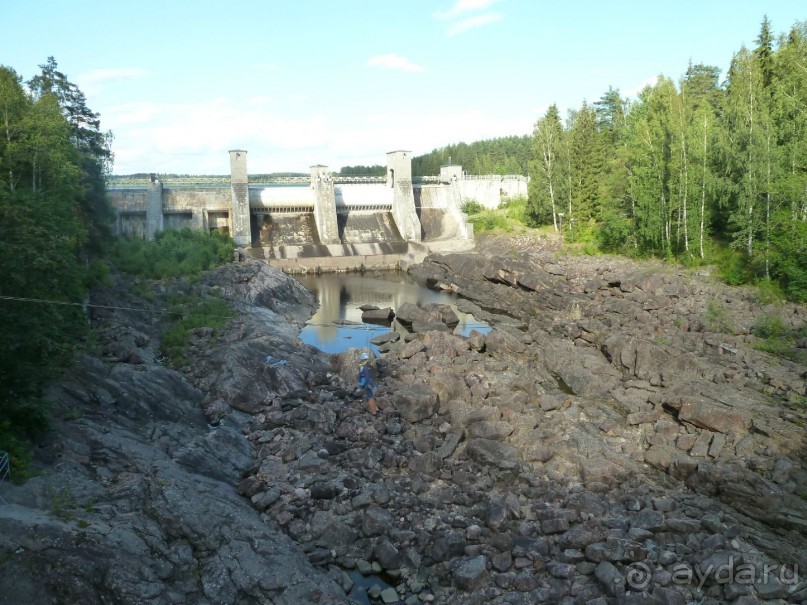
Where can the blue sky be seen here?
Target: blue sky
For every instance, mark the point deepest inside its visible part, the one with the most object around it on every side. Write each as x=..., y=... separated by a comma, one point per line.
x=306, y=82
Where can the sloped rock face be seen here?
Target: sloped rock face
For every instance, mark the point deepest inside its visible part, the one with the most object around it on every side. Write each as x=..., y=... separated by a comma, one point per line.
x=136, y=498
x=600, y=445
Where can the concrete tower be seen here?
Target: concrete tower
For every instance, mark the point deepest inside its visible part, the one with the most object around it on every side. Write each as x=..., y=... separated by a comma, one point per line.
x=239, y=186
x=324, y=205
x=399, y=179
x=154, y=207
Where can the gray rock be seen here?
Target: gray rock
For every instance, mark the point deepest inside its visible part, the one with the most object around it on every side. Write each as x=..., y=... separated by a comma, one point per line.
x=415, y=403
x=493, y=453
x=375, y=521
x=610, y=580
x=470, y=574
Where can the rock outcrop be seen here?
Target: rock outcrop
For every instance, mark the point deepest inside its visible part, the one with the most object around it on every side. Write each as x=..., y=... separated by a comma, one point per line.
x=616, y=438
x=135, y=501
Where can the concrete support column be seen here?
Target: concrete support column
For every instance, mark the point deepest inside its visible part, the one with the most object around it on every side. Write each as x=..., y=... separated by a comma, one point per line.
x=399, y=178
x=324, y=205
x=154, y=208
x=239, y=186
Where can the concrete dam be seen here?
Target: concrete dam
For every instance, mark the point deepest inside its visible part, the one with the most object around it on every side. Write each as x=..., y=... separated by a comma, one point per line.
x=321, y=221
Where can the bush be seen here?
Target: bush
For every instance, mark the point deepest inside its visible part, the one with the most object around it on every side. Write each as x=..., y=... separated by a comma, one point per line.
x=614, y=231
x=584, y=236
x=172, y=254
x=732, y=266
x=488, y=221
x=515, y=209
x=717, y=318
x=769, y=326
x=470, y=206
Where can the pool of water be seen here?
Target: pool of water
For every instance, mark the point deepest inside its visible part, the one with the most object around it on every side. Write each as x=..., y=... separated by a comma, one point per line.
x=337, y=325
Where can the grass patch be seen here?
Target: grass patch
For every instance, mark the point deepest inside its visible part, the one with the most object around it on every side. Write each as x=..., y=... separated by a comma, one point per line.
x=188, y=313
x=778, y=340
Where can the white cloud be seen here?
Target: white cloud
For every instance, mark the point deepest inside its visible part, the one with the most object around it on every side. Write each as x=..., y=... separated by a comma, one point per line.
x=92, y=81
x=472, y=23
x=464, y=6
x=393, y=61
x=634, y=91
x=194, y=137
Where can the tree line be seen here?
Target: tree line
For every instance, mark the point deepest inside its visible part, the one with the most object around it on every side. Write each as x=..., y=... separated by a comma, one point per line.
x=54, y=220
x=689, y=165
x=503, y=155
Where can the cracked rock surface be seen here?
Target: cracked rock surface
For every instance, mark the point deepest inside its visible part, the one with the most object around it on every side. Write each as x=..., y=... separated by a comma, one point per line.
x=616, y=438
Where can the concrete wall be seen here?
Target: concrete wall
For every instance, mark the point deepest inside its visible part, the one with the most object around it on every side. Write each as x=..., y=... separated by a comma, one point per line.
x=374, y=194
x=490, y=192
x=287, y=195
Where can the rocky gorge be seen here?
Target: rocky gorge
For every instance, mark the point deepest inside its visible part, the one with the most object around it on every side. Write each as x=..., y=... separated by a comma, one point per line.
x=616, y=438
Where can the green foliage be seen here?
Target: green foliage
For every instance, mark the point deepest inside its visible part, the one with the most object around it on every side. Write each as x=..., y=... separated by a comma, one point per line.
x=489, y=220
x=505, y=155
x=689, y=161
x=779, y=340
x=769, y=292
x=359, y=170
x=172, y=254
x=769, y=326
x=614, y=231
x=470, y=206
x=549, y=191
x=515, y=210
x=717, y=318
x=53, y=218
x=188, y=313
x=582, y=238
x=732, y=266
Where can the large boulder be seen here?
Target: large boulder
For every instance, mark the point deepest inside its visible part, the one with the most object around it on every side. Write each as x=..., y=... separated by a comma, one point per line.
x=416, y=402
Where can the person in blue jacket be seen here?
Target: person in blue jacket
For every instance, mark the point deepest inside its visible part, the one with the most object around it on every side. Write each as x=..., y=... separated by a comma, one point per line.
x=367, y=383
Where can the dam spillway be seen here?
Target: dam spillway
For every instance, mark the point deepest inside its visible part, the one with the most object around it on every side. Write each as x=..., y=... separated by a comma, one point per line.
x=320, y=221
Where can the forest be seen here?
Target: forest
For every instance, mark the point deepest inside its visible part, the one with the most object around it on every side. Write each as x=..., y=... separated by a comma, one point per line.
x=696, y=169
x=55, y=222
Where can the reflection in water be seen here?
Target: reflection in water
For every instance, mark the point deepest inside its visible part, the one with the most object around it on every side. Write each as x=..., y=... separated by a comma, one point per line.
x=337, y=325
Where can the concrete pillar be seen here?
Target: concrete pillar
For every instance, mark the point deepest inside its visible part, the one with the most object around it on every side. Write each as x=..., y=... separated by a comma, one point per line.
x=452, y=172
x=239, y=186
x=399, y=178
x=154, y=208
x=324, y=205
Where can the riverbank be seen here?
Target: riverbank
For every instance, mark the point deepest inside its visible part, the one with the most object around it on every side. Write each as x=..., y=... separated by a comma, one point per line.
x=616, y=430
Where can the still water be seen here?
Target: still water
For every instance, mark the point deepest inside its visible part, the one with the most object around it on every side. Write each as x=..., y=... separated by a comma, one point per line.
x=337, y=325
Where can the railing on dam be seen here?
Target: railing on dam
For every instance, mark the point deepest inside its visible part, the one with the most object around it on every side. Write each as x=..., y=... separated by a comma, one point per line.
x=496, y=177
x=282, y=209
x=378, y=207
x=127, y=182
